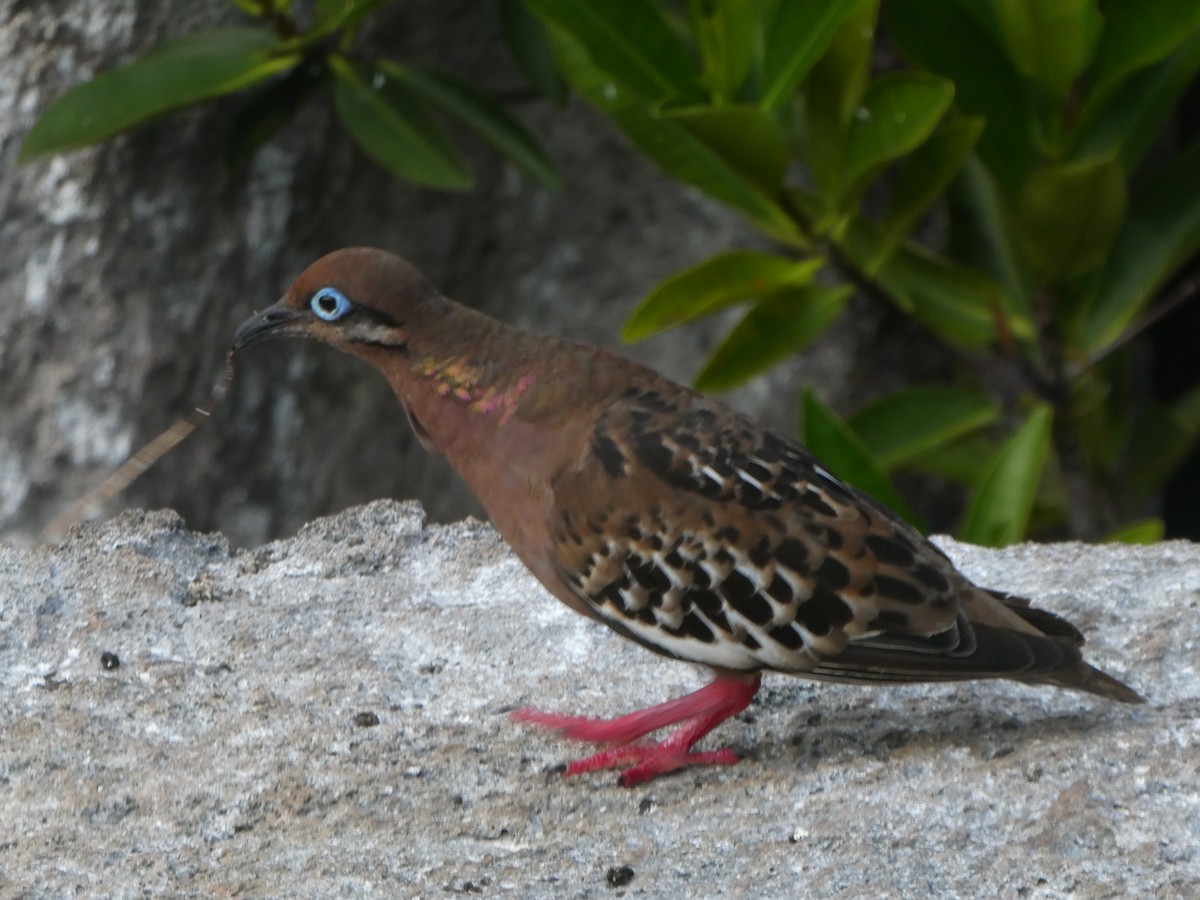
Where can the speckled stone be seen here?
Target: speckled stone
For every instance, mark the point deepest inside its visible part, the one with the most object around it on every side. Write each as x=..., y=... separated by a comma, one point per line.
x=225, y=755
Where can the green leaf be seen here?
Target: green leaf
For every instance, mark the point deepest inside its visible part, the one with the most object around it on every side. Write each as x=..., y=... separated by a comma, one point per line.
x=906, y=426
x=924, y=175
x=1131, y=119
x=776, y=327
x=182, y=71
x=832, y=92
x=1003, y=500
x=486, y=117
x=630, y=41
x=1160, y=232
x=526, y=38
x=1050, y=42
x=962, y=305
x=1142, y=531
x=1068, y=214
x=672, y=146
x=337, y=14
x=944, y=38
x=388, y=121
x=962, y=461
x=830, y=440
x=217, y=42
x=897, y=114
x=1136, y=34
x=749, y=140
x=981, y=237
x=715, y=284
x=797, y=38
x=729, y=33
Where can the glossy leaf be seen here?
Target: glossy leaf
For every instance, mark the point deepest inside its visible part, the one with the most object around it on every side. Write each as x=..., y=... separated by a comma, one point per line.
x=897, y=114
x=182, y=71
x=671, y=145
x=749, y=140
x=1130, y=120
x=796, y=39
x=1137, y=34
x=924, y=175
x=944, y=38
x=906, y=426
x=335, y=14
x=728, y=33
x=630, y=41
x=389, y=122
x=715, y=284
x=775, y=328
x=832, y=92
x=962, y=305
x=481, y=114
x=1002, y=502
x=1143, y=531
x=1160, y=232
x=1050, y=42
x=981, y=237
x=962, y=461
x=830, y=439
x=526, y=38
x=1068, y=214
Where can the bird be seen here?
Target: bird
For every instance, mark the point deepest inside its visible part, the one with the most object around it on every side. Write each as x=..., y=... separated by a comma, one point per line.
x=668, y=516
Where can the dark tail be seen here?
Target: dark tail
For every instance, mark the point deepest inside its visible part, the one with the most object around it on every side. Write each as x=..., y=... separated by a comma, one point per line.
x=1078, y=676
x=971, y=650
x=1082, y=677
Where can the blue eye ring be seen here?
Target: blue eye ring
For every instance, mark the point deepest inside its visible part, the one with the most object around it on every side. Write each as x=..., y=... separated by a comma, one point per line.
x=329, y=304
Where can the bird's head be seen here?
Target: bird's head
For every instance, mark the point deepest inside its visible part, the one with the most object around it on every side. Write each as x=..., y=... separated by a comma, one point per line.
x=354, y=299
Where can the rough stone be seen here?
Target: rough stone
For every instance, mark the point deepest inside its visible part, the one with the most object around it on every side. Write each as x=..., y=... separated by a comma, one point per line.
x=233, y=752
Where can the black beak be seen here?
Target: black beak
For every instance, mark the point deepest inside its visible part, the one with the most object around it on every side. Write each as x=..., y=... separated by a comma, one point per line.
x=271, y=321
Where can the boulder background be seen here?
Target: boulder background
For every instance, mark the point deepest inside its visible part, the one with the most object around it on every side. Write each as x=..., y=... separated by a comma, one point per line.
x=226, y=755
x=127, y=267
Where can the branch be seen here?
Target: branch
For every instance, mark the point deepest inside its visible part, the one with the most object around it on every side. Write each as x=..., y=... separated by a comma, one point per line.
x=1184, y=290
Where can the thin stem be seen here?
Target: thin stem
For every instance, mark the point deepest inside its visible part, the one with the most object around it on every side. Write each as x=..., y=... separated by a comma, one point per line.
x=279, y=21
x=1184, y=290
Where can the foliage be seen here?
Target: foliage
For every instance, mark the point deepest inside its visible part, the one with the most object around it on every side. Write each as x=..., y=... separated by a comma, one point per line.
x=390, y=109
x=1024, y=126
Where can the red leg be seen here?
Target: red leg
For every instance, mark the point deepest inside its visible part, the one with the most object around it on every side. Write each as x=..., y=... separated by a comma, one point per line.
x=699, y=712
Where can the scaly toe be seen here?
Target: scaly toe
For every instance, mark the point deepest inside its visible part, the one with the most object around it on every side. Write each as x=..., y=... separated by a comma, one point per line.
x=662, y=763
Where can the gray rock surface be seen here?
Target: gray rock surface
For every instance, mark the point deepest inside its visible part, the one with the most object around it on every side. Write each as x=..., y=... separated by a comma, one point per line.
x=229, y=753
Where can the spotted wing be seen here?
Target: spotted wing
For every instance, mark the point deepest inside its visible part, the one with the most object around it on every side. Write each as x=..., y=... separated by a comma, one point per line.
x=710, y=539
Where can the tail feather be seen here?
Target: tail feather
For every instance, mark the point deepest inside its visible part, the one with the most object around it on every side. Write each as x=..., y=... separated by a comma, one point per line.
x=991, y=653
x=970, y=650
x=1046, y=622
x=1082, y=677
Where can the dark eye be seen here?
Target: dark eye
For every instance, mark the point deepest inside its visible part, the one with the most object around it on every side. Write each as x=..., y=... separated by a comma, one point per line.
x=329, y=304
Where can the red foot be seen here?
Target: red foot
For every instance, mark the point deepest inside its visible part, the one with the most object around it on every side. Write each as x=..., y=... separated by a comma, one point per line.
x=699, y=713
